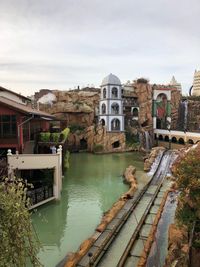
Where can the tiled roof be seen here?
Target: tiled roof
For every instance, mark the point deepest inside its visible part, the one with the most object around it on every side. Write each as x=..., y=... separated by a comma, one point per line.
x=23, y=108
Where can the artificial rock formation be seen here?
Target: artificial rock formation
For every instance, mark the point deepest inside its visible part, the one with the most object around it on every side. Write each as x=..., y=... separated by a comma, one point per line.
x=143, y=91
x=74, y=107
x=98, y=140
x=175, y=102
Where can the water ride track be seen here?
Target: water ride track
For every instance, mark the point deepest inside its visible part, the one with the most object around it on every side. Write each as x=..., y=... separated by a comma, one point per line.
x=120, y=233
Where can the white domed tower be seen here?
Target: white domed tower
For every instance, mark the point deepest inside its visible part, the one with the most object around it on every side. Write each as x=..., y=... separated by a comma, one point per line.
x=110, y=107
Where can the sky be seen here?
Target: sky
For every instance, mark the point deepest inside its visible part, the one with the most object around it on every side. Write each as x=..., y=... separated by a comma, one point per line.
x=62, y=44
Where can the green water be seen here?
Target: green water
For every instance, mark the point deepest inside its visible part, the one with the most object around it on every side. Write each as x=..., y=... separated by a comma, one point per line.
x=90, y=187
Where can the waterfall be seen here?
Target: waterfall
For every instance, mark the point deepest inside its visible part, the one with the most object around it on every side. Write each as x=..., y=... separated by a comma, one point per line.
x=182, y=115
x=148, y=141
x=185, y=115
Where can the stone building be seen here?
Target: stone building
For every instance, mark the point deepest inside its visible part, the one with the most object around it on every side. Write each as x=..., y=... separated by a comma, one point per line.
x=111, y=105
x=196, y=83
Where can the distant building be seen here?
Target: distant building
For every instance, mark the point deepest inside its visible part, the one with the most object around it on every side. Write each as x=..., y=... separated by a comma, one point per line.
x=111, y=105
x=175, y=84
x=196, y=84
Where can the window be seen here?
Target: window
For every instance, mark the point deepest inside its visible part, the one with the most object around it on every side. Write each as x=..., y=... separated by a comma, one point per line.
x=104, y=92
x=8, y=126
x=115, y=108
x=114, y=92
x=103, y=108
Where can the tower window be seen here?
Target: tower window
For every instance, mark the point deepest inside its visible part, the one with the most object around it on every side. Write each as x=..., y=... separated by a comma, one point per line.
x=104, y=92
x=103, y=108
x=115, y=125
x=114, y=92
x=115, y=108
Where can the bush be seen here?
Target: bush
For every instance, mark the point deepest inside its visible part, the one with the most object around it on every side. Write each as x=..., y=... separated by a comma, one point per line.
x=98, y=148
x=19, y=243
x=75, y=127
x=45, y=137
x=55, y=137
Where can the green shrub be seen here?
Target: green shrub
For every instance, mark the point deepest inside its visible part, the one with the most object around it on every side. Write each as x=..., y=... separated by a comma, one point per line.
x=98, y=148
x=45, y=137
x=75, y=127
x=19, y=243
x=55, y=137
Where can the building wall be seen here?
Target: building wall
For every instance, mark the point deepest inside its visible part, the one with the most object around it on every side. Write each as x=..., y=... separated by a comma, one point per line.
x=13, y=97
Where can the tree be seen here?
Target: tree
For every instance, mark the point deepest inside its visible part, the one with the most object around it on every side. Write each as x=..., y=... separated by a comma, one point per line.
x=18, y=241
x=187, y=171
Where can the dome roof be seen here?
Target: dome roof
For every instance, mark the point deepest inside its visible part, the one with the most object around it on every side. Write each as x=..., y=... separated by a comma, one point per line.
x=111, y=79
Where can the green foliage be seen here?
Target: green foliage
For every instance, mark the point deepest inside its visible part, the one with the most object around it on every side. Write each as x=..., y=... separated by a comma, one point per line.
x=187, y=171
x=19, y=243
x=98, y=148
x=66, y=160
x=64, y=134
x=75, y=127
x=45, y=137
x=131, y=139
x=55, y=137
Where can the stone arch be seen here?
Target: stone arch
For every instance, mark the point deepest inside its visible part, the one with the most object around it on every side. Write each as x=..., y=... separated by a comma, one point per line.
x=181, y=141
x=104, y=92
x=174, y=140
x=115, y=108
x=160, y=137
x=190, y=141
x=166, y=138
x=103, y=108
x=135, y=112
x=115, y=125
x=114, y=92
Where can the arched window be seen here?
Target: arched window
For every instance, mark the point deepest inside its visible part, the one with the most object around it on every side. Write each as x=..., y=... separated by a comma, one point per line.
x=190, y=141
x=166, y=138
x=160, y=137
x=135, y=112
x=103, y=108
x=181, y=141
x=174, y=140
x=115, y=108
x=102, y=122
x=115, y=125
x=114, y=92
x=104, y=92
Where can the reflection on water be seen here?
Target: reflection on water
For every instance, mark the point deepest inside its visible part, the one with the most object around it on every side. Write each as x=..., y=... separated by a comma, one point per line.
x=90, y=187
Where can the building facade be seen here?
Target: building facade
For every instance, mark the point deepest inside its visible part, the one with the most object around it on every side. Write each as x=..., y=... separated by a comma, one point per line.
x=111, y=105
x=196, y=84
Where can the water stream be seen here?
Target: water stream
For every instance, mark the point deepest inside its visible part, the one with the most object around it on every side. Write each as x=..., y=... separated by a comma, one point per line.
x=90, y=187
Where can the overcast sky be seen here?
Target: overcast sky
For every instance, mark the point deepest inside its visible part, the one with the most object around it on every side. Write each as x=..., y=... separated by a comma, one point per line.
x=60, y=44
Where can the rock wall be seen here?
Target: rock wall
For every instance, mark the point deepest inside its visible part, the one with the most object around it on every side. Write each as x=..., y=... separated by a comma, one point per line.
x=143, y=92
x=74, y=107
x=98, y=140
x=175, y=102
x=193, y=116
